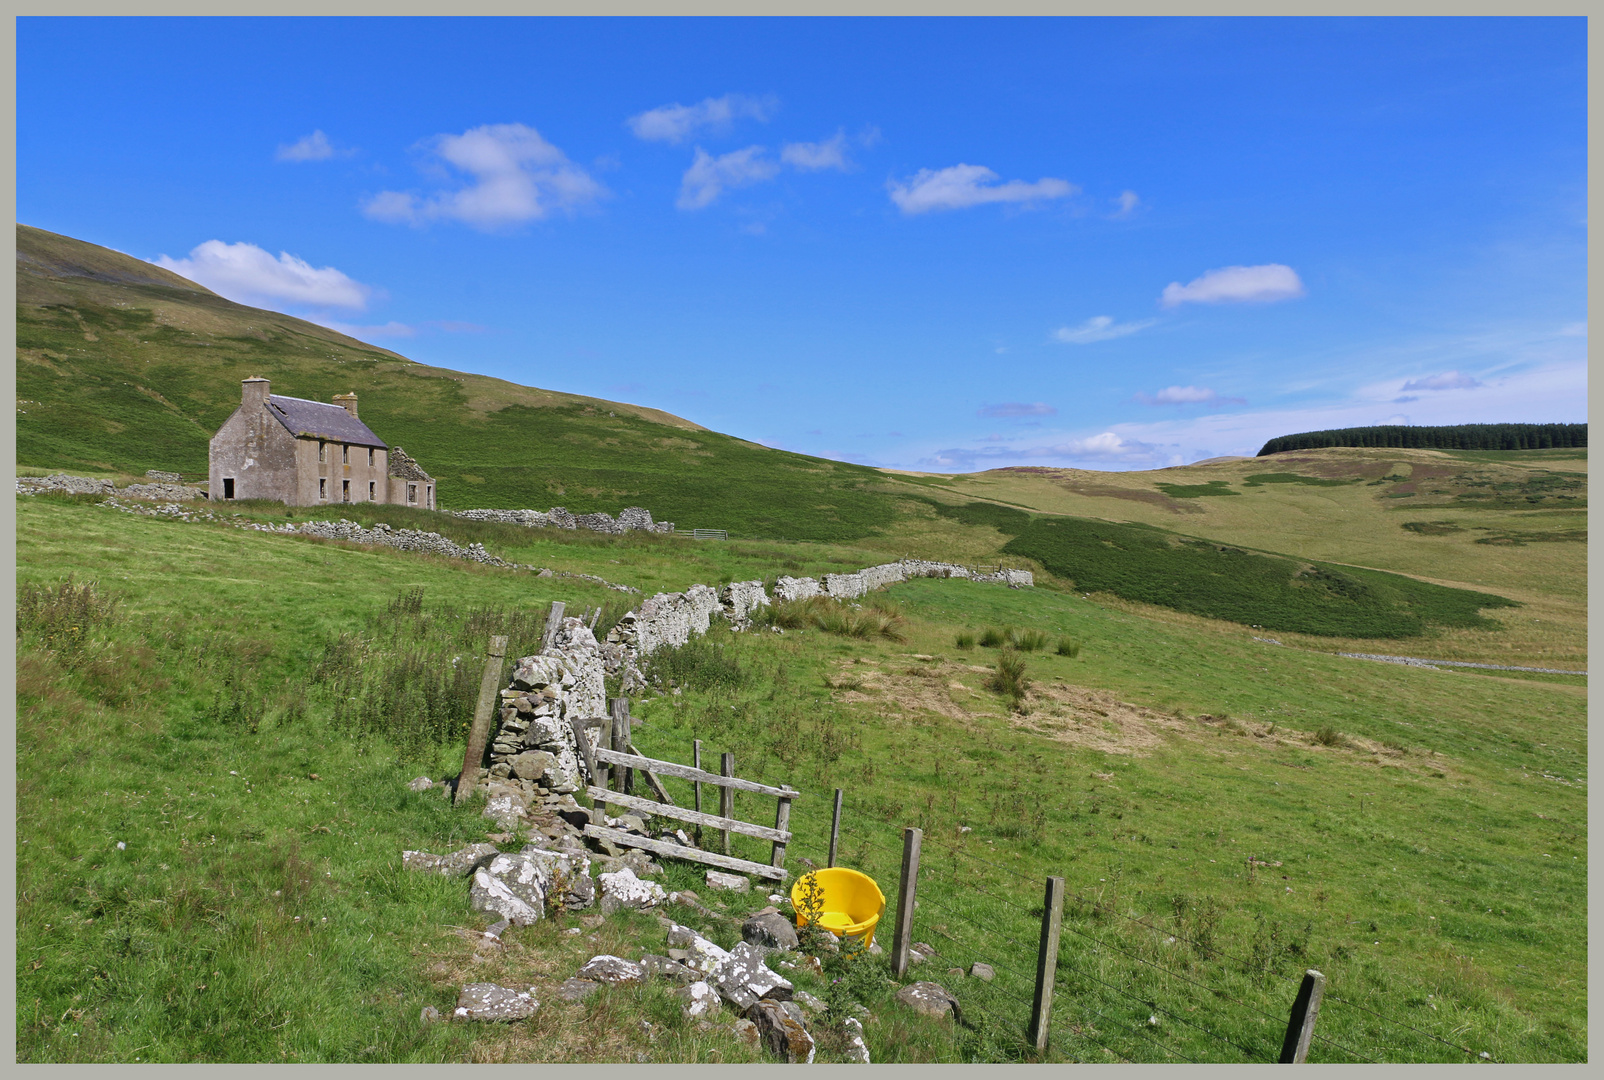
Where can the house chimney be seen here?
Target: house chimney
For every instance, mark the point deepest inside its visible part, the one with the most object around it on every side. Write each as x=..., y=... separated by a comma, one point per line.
x=346, y=402
x=253, y=391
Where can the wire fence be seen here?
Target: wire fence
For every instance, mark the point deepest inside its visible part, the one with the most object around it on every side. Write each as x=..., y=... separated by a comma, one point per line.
x=1124, y=990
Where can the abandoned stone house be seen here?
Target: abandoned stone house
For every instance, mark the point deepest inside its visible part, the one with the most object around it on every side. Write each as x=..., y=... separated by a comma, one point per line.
x=307, y=453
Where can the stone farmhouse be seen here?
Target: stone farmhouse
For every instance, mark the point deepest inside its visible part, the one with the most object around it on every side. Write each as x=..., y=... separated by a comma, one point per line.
x=307, y=453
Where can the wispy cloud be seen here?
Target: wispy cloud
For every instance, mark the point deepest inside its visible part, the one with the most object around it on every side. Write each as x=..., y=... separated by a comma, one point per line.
x=959, y=186
x=1188, y=395
x=814, y=157
x=1017, y=408
x=709, y=176
x=1127, y=202
x=451, y=326
x=313, y=147
x=1098, y=328
x=247, y=274
x=1104, y=448
x=514, y=175
x=676, y=123
x=390, y=329
x=1236, y=284
x=1448, y=380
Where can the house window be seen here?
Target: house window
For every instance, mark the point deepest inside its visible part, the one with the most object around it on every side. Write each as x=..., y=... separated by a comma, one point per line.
x=412, y=493
x=370, y=457
x=373, y=491
x=345, y=455
x=228, y=487
x=322, y=488
x=429, y=496
x=322, y=452
x=345, y=491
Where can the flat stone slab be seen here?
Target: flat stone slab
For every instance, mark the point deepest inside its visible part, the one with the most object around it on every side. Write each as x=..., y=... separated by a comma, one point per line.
x=717, y=879
x=611, y=969
x=699, y=999
x=490, y=1003
x=459, y=863
x=743, y=978
x=624, y=890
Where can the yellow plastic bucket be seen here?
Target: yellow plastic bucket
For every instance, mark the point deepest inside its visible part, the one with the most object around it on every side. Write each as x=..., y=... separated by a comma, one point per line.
x=853, y=903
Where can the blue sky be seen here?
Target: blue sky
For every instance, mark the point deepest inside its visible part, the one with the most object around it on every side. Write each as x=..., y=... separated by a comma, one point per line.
x=923, y=244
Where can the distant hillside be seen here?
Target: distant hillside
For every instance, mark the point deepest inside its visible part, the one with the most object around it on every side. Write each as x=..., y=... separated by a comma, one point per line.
x=1455, y=437
x=124, y=365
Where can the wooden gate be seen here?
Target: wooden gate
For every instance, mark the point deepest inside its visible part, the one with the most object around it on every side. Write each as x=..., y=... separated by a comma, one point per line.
x=598, y=758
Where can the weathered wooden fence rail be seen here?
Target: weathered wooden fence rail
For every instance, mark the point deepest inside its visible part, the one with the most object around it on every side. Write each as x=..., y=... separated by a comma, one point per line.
x=622, y=760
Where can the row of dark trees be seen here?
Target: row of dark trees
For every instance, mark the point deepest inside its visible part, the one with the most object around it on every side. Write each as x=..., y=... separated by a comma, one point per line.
x=1455, y=437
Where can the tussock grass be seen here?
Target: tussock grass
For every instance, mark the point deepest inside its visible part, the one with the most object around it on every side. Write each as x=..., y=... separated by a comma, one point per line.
x=1010, y=679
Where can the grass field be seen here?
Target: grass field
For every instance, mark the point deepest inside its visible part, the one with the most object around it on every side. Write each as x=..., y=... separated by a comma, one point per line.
x=1430, y=826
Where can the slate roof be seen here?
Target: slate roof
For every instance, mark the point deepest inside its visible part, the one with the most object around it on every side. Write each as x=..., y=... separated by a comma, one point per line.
x=321, y=420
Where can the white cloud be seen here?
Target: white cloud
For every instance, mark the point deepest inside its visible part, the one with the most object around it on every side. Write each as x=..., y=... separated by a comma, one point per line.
x=313, y=147
x=1188, y=395
x=1236, y=284
x=708, y=176
x=516, y=176
x=1097, y=328
x=246, y=274
x=390, y=329
x=676, y=123
x=1127, y=201
x=830, y=154
x=1018, y=408
x=1448, y=380
x=960, y=186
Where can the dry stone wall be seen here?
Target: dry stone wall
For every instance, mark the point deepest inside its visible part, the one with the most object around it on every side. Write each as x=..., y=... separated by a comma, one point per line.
x=672, y=618
x=629, y=519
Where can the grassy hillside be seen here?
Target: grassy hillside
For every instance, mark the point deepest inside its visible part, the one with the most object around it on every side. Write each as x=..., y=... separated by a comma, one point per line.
x=1226, y=813
x=1510, y=523
x=125, y=366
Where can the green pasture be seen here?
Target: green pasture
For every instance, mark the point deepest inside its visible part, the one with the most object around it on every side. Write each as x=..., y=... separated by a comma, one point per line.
x=1429, y=826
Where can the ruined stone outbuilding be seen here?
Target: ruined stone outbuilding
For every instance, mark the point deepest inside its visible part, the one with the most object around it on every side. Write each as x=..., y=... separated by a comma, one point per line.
x=309, y=453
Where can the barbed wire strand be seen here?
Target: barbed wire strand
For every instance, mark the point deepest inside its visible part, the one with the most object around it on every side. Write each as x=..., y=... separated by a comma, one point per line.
x=1207, y=949
x=1399, y=1023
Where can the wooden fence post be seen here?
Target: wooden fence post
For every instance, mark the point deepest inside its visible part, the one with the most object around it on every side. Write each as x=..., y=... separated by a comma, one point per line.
x=1052, y=919
x=726, y=797
x=1300, y=1027
x=489, y=688
x=554, y=621
x=782, y=822
x=696, y=786
x=905, y=895
x=620, y=713
x=835, y=825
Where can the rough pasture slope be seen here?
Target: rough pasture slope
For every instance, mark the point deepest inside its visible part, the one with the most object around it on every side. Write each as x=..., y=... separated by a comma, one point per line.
x=1429, y=826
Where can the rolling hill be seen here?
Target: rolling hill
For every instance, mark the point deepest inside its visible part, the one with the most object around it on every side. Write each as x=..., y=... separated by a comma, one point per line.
x=126, y=366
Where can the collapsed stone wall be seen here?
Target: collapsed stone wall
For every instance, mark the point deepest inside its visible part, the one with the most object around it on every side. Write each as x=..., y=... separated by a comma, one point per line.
x=164, y=491
x=533, y=745
x=630, y=519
